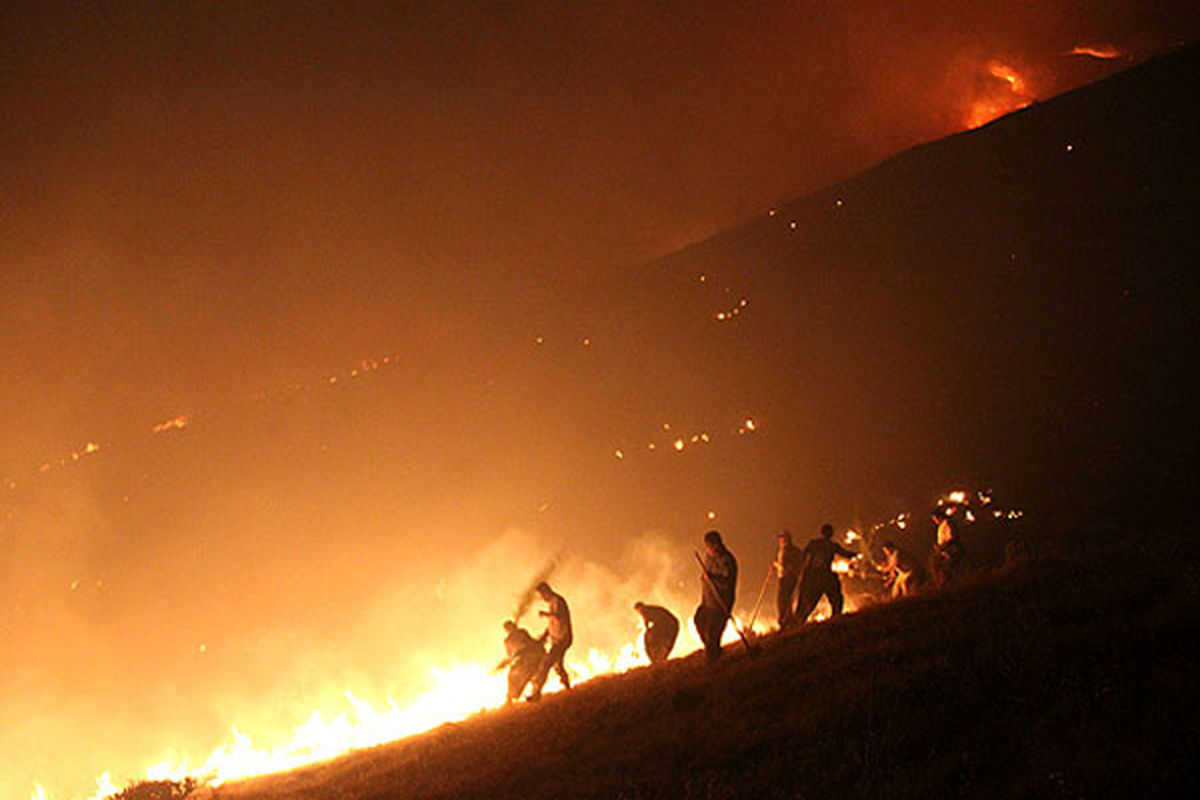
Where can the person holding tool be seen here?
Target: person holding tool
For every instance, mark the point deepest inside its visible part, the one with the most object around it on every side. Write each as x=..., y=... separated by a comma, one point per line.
x=718, y=588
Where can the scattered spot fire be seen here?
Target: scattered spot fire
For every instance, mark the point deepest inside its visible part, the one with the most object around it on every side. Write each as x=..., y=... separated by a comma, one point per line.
x=1104, y=52
x=957, y=502
x=731, y=313
x=182, y=421
x=75, y=456
x=178, y=423
x=673, y=441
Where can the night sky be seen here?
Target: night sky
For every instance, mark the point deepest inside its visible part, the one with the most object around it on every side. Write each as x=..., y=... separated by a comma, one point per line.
x=368, y=269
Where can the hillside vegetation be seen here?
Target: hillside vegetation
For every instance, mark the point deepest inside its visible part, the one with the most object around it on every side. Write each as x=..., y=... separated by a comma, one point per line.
x=1017, y=302
x=1071, y=675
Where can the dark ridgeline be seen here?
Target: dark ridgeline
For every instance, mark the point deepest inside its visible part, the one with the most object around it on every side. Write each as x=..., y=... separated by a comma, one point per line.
x=1013, y=304
x=1016, y=299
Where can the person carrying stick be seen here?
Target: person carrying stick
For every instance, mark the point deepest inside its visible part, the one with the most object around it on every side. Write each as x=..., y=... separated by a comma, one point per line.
x=718, y=587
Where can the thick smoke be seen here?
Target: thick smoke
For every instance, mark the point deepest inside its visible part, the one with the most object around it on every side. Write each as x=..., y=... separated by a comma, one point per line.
x=405, y=649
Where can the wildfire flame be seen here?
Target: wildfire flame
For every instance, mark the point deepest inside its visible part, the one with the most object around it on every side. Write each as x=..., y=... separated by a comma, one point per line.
x=456, y=694
x=724, y=316
x=1104, y=51
x=178, y=423
x=453, y=693
x=1000, y=90
x=348, y=721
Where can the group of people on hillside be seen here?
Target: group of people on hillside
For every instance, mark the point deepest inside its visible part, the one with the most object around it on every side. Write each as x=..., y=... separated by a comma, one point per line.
x=805, y=576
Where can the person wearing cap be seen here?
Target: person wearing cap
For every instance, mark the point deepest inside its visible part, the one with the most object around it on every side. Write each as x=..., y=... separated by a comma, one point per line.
x=661, y=630
x=718, y=587
x=817, y=576
x=558, y=631
x=787, y=566
x=525, y=655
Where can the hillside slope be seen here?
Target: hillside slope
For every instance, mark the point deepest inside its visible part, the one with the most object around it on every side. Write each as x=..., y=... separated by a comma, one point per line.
x=1069, y=676
x=1016, y=302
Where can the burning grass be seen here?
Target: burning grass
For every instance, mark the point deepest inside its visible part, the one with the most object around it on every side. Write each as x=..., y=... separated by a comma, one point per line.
x=1067, y=676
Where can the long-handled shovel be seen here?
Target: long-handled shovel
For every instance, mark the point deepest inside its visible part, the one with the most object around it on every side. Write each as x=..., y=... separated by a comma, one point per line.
x=761, y=594
x=750, y=648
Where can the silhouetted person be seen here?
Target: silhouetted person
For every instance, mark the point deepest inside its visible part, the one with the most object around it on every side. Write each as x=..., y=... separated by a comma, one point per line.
x=818, y=578
x=718, y=585
x=525, y=655
x=901, y=572
x=661, y=629
x=788, y=561
x=946, y=560
x=558, y=631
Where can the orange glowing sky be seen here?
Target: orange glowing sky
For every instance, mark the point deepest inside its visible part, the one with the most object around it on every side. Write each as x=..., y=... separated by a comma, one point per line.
x=297, y=306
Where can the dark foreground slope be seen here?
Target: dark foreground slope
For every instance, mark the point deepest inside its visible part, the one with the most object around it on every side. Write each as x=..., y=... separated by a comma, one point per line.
x=1068, y=676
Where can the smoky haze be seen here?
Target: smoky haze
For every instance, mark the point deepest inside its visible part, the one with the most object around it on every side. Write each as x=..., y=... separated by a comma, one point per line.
x=391, y=266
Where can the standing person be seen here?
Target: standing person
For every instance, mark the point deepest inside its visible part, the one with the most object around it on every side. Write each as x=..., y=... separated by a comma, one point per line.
x=661, y=629
x=525, y=655
x=558, y=630
x=817, y=576
x=718, y=586
x=787, y=566
x=946, y=560
x=900, y=571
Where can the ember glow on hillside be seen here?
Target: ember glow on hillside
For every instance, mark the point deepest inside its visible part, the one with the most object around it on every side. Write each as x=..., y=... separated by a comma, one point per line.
x=1002, y=91
x=1104, y=51
x=322, y=330
x=449, y=691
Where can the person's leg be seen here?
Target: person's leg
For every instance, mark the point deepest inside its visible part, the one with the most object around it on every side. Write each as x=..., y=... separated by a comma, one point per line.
x=539, y=677
x=785, y=601
x=810, y=595
x=560, y=651
x=834, y=593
